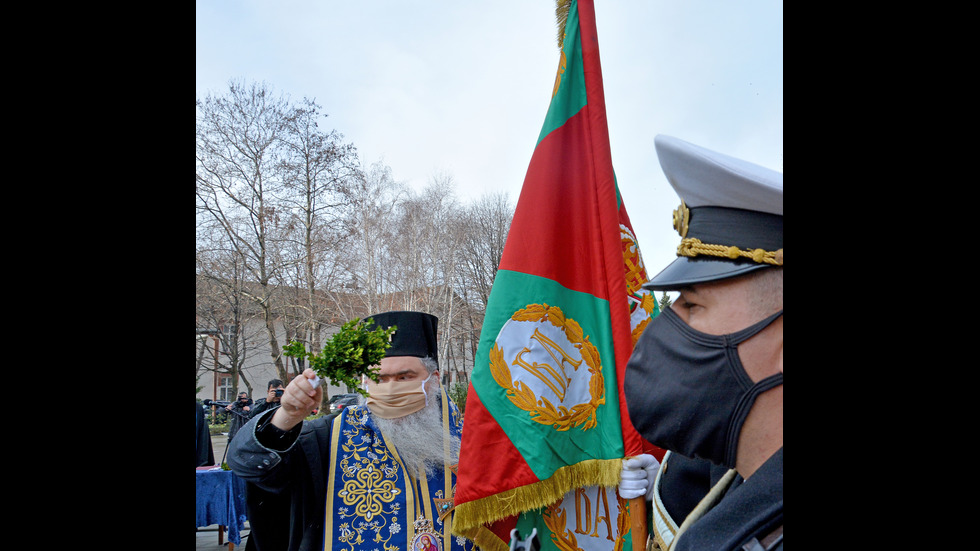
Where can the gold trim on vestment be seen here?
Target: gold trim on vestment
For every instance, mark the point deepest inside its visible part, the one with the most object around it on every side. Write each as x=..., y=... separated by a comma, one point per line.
x=331, y=479
x=447, y=523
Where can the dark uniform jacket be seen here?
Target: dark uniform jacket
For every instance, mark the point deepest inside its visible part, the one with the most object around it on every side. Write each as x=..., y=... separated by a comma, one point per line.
x=685, y=482
x=750, y=511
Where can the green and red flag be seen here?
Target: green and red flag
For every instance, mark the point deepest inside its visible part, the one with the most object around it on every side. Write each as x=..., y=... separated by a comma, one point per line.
x=546, y=429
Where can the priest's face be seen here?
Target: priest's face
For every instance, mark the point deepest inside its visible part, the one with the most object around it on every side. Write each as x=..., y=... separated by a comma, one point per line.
x=401, y=368
x=418, y=436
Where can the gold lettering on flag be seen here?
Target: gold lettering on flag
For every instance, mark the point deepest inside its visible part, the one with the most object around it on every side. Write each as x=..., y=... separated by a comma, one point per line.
x=583, y=513
x=552, y=378
x=529, y=340
x=581, y=521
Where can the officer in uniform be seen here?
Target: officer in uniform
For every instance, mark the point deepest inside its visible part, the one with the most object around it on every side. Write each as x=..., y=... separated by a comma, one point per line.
x=705, y=378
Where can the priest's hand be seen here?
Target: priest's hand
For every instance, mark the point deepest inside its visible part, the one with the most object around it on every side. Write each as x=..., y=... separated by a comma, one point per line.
x=637, y=476
x=298, y=401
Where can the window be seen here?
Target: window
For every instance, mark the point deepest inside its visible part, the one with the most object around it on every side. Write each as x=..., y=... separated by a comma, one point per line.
x=224, y=387
x=229, y=336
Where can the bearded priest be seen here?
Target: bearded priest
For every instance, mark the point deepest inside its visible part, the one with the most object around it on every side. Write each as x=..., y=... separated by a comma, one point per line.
x=380, y=475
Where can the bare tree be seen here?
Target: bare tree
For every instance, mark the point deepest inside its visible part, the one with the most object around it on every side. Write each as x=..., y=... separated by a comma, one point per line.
x=369, y=240
x=294, y=232
x=484, y=227
x=427, y=252
x=426, y=244
x=237, y=157
x=224, y=314
x=318, y=171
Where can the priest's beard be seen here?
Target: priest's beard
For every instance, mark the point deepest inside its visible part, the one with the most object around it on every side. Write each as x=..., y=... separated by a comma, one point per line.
x=418, y=437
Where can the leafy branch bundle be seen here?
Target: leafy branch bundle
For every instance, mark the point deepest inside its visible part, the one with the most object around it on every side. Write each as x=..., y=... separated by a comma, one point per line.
x=351, y=352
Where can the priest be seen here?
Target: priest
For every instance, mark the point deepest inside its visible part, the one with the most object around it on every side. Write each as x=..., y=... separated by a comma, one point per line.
x=380, y=475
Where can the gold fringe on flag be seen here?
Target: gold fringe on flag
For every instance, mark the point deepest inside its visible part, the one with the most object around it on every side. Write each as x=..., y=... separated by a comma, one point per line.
x=469, y=518
x=483, y=538
x=561, y=16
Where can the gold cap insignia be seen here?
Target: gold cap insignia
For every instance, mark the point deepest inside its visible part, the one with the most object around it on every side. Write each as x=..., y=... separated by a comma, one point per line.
x=681, y=218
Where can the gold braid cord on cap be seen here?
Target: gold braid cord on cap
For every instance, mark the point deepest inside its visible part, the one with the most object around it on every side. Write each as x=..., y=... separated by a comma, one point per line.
x=692, y=246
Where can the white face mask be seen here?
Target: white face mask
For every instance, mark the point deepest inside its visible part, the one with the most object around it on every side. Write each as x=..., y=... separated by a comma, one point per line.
x=397, y=398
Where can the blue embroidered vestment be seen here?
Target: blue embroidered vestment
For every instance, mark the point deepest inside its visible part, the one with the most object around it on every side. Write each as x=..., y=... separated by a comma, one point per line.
x=372, y=500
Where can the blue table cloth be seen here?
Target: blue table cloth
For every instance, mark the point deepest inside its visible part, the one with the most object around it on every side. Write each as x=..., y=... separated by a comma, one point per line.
x=221, y=500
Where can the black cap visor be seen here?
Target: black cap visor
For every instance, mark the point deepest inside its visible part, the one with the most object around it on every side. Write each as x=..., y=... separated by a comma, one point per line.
x=687, y=271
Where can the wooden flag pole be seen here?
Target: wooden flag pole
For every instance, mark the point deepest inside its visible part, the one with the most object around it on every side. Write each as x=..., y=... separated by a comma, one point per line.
x=638, y=521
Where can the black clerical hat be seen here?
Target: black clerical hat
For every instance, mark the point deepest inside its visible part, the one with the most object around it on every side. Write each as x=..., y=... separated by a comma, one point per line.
x=415, y=336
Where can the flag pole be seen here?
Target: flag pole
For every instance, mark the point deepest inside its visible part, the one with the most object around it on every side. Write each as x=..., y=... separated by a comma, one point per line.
x=637, y=505
x=638, y=522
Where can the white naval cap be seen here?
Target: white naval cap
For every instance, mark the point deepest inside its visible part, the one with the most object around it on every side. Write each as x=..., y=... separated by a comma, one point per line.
x=730, y=218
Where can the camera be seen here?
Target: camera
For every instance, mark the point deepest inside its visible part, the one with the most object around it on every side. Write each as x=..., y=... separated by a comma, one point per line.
x=279, y=392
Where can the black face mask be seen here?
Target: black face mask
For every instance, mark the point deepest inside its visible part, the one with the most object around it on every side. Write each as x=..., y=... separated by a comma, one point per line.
x=687, y=391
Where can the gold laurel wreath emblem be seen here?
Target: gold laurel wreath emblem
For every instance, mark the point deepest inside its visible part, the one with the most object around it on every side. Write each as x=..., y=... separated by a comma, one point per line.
x=636, y=273
x=561, y=70
x=543, y=411
x=636, y=276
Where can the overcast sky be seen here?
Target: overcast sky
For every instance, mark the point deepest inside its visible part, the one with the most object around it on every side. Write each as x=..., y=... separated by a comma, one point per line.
x=461, y=88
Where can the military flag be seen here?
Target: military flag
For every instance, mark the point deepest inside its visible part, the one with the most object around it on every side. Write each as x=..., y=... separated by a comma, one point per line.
x=545, y=428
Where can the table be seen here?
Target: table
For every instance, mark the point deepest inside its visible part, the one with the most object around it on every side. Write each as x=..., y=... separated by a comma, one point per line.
x=221, y=501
